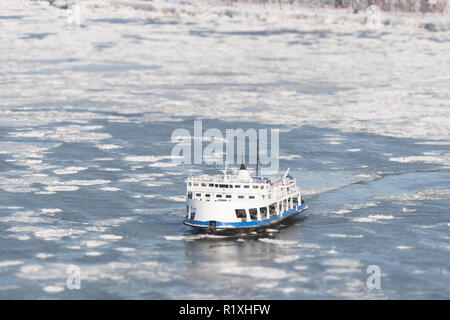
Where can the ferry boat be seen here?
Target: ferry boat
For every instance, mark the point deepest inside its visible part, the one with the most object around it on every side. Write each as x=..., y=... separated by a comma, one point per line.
x=240, y=200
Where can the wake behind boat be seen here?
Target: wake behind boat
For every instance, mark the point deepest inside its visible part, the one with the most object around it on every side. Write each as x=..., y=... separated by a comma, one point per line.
x=240, y=200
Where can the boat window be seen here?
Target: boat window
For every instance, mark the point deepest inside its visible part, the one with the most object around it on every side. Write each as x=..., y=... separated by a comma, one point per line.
x=246, y=186
x=187, y=212
x=253, y=214
x=284, y=204
x=190, y=184
x=228, y=196
x=211, y=185
x=272, y=209
x=237, y=186
x=263, y=212
x=295, y=201
x=195, y=184
x=262, y=187
x=255, y=187
x=189, y=195
x=240, y=197
x=251, y=197
x=240, y=214
x=223, y=186
x=218, y=196
x=207, y=195
x=198, y=194
x=192, y=213
x=216, y=185
x=203, y=184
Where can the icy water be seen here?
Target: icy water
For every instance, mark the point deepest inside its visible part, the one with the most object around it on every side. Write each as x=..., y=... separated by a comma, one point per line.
x=86, y=179
x=117, y=213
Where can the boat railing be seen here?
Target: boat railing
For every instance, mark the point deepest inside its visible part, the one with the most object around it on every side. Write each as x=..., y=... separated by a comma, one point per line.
x=270, y=181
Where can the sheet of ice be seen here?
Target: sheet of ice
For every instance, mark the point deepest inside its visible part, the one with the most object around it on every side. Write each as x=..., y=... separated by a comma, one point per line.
x=51, y=211
x=196, y=237
x=291, y=157
x=53, y=289
x=373, y=218
x=287, y=259
x=433, y=194
x=437, y=159
x=93, y=243
x=110, y=237
x=375, y=79
x=47, y=233
x=125, y=249
x=342, y=265
x=339, y=235
x=11, y=263
x=93, y=253
x=108, y=146
x=257, y=272
x=44, y=255
x=112, y=189
x=178, y=198
x=69, y=170
x=278, y=242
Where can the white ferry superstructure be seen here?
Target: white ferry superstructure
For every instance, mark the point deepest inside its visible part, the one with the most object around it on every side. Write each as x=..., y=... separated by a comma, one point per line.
x=240, y=200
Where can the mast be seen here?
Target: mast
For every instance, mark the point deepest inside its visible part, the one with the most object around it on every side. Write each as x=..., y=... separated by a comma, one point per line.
x=225, y=172
x=257, y=155
x=242, y=164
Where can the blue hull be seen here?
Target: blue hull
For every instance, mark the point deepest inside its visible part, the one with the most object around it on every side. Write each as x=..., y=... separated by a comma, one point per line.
x=248, y=224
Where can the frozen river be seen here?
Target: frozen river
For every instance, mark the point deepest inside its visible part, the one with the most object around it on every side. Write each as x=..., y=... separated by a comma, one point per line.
x=86, y=117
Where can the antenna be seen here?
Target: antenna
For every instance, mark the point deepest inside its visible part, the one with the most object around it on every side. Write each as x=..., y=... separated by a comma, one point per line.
x=257, y=155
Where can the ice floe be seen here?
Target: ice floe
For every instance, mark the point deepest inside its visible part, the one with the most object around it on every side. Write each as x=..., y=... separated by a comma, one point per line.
x=290, y=157
x=69, y=170
x=279, y=242
x=257, y=272
x=113, y=237
x=10, y=263
x=177, y=198
x=44, y=255
x=432, y=194
x=49, y=233
x=373, y=218
x=108, y=146
x=125, y=249
x=443, y=159
x=93, y=253
x=287, y=259
x=340, y=235
x=53, y=289
x=93, y=243
x=51, y=210
x=112, y=189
